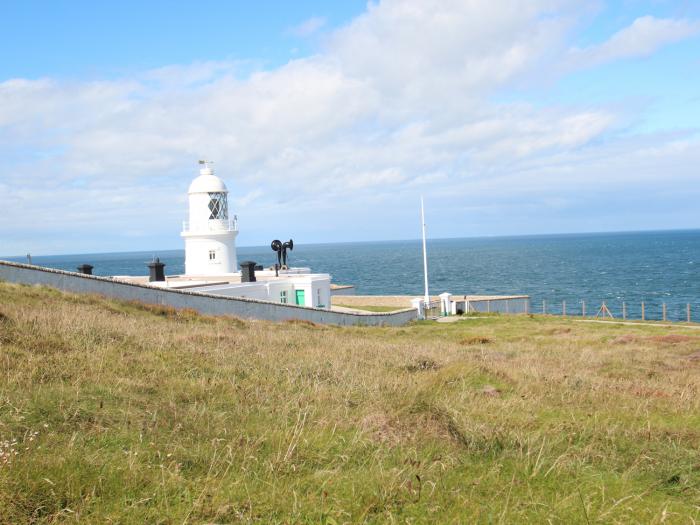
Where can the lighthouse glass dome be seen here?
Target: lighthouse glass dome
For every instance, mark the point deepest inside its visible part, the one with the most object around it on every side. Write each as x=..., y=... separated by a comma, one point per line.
x=218, y=206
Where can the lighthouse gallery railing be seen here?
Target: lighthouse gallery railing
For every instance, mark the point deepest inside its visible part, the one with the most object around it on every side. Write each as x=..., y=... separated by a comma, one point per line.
x=230, y=225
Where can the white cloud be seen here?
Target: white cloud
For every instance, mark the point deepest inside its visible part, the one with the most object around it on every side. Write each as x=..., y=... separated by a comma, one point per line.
x=640, y=39
x=422, y=49
x=308, y=27
x=399, y=101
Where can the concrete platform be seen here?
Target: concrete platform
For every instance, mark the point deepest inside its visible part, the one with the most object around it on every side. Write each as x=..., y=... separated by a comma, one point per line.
x=404, y=301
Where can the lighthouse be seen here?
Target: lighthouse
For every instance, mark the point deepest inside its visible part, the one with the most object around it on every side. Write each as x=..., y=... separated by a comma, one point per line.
x=210, y=233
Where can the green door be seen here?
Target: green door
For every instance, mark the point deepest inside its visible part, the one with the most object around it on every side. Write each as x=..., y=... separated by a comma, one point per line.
x=300, y=297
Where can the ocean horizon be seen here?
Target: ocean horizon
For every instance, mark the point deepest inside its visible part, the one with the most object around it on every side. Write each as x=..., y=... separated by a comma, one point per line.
x=417, y=239
x=654, y=267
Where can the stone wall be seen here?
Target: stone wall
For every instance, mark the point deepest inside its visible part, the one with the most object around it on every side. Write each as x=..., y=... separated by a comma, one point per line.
x=202, y=302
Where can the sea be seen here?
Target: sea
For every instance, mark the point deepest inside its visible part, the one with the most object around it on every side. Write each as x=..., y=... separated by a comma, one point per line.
x=654, y=268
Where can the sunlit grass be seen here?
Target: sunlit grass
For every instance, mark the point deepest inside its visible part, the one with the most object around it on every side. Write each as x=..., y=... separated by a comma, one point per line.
x=119, y=412
x=371, y=308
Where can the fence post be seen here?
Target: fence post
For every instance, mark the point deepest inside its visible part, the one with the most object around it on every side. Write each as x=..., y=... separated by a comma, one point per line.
x=583, y=308
x=488, y=306
x=643, y=316
x=544, y=307
x=663, y=311
x=563, y=308
x=687, y=311
x=624, y=311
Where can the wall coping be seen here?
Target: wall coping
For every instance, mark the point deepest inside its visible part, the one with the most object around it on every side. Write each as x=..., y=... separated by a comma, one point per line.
x=192, y=293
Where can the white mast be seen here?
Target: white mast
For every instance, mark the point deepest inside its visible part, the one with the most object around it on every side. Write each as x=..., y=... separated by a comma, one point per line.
x=425, y=255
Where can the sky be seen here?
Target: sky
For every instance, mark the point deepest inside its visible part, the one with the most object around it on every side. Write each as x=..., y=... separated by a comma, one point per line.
x=329, y=120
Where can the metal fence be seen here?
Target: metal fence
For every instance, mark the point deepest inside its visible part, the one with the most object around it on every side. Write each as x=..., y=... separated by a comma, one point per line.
x=675, y=311
x=623, y=310
x=432, y=310
x=502, y=306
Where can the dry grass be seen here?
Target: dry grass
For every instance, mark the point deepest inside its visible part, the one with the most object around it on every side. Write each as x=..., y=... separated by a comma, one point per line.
x=370, y=307
x=362, y=301
x=116, y=412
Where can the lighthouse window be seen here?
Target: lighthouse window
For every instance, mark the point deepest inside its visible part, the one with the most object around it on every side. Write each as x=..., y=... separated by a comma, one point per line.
x=283, y=296
x=218, y=206
x=212, y=255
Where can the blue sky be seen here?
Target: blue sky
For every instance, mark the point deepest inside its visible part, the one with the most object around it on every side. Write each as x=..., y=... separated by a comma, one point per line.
x=329, y=120
x=81, y=39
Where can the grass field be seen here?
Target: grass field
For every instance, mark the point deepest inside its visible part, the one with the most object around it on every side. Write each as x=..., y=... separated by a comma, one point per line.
x=118, y=413
x=371, y=307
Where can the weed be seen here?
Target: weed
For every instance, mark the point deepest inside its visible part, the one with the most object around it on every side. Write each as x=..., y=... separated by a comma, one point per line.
x=476, y=340
x=422, y=365
x=303, y=323
x=156, y=415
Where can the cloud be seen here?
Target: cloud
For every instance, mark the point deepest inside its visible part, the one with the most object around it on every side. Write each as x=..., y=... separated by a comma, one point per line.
x=416, y=50
x=308, y=27
x=642, y=38
x=401, y=101
x=249, y=197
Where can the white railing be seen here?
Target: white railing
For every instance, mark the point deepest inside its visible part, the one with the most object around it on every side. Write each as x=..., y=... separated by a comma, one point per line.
x=218, y=225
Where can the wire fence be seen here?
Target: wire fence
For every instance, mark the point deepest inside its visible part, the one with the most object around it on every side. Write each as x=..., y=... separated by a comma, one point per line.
x=432, y=310
x=623, y=310
x=511, y=305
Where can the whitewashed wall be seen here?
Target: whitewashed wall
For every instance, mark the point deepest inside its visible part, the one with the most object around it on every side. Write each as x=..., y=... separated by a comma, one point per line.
x=201, y=302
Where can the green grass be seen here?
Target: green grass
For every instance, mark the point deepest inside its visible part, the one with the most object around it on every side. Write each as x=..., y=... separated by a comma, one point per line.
x=372, y=308
x=115, y=412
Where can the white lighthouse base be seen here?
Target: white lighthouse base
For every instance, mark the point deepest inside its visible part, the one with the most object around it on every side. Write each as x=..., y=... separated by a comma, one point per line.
x=209, y=254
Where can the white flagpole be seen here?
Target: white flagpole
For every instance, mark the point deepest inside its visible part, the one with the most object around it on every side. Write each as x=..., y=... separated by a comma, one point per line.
x=425, y=254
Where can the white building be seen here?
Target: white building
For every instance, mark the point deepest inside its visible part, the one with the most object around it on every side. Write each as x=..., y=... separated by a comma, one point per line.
x=211, y=264
x=297, y=286
x=210, y=234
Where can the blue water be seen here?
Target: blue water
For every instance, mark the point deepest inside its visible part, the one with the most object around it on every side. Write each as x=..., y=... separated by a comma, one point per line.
x=654, y=267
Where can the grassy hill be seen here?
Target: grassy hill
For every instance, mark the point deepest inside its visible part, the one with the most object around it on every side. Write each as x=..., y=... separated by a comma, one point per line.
x=113, y=412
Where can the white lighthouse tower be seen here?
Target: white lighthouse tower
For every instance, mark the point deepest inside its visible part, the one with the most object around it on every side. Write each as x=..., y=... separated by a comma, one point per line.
x=210, y=235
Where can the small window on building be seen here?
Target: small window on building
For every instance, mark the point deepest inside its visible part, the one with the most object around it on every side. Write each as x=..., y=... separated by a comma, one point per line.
x=283, y=297
x=212, y=255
